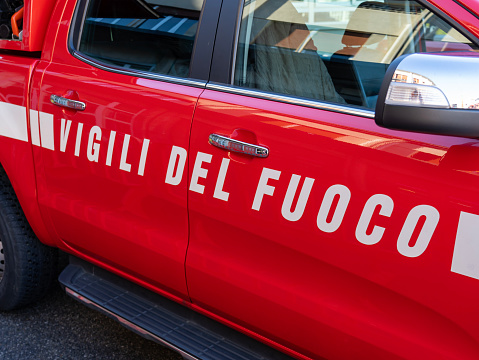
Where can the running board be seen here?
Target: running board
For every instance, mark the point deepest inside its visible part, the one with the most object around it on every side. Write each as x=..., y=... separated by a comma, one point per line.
x=156, y=318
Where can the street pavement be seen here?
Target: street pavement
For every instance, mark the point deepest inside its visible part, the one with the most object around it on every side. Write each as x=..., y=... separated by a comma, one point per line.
x=58, y=327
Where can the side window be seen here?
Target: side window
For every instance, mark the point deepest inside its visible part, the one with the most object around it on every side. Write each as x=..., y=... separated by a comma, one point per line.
x=154, y=35
x=336, y=51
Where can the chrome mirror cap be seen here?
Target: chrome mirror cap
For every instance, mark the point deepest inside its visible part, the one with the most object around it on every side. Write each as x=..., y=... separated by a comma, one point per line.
x=431, y=93
x=433, y=80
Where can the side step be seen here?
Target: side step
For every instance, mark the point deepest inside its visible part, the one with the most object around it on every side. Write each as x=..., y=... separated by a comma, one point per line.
x=156, y=318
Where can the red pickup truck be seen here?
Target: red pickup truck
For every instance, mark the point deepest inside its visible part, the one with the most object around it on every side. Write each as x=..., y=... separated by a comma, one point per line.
x=257, y=179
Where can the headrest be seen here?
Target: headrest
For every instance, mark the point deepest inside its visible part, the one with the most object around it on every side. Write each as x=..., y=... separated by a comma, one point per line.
x=370, y=17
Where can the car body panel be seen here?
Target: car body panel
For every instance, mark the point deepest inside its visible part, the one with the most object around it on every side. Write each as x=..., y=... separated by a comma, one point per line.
x=464, y=15
x=15, y=150
x=347, y=241
x=275, y=272
x=100, y=168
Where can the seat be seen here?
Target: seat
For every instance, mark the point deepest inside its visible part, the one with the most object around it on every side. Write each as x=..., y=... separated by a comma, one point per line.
x=283, y=59
x=357, y=69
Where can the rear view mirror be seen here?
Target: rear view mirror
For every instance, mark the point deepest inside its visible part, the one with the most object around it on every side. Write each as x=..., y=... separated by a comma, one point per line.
x=431, y=93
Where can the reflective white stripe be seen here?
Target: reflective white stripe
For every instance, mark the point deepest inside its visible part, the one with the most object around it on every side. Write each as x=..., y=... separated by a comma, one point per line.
x=34, y=127
x=46, y=130
x=13, y=121
x=161, y=22
x=465, y=260
x=177, y=26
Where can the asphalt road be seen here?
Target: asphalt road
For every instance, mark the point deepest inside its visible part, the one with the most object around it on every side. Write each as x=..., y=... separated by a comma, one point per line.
x=59, y=327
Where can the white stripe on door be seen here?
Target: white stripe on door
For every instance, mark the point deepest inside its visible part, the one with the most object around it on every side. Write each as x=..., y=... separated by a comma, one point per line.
x=34, y=127
x=465, y=260
x=46, y=131
x=13, y=121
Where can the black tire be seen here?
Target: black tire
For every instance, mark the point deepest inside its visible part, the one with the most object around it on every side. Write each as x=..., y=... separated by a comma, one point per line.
x=28, y=268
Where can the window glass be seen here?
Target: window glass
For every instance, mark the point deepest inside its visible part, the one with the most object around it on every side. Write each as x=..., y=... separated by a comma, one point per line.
x=154, y=35
x=335, y=51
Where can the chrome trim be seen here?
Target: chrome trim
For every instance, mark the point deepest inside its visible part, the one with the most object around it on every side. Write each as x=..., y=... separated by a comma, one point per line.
x=292, y=100
x=128, y=324
x=139, y=73
x=241, y=147
x=67, y=103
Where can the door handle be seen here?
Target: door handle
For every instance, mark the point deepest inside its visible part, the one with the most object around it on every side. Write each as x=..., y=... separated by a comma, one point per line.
x=229, y=144
x=67, y=103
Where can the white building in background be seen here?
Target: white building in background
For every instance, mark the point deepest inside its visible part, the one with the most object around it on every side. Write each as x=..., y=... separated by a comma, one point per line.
x=411, y=78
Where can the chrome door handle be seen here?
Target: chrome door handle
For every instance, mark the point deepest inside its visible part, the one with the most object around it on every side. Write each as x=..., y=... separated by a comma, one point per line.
x=67, y=103
x=226, y=143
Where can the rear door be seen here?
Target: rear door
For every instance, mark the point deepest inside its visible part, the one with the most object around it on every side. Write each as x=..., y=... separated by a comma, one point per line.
x=310, y=225
x=120, y=92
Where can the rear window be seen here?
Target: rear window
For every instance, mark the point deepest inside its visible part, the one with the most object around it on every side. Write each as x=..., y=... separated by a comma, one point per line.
x=154, y=36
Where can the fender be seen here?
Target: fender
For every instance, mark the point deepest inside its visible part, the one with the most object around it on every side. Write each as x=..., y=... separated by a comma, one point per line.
x=16, y=149
x=16, y=154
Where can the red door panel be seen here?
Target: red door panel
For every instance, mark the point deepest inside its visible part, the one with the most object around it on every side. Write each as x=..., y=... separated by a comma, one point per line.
x=340, y=243
x=102, y=181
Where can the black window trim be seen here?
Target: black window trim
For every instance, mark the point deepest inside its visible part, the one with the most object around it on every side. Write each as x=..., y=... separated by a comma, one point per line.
x=200, y=61
x=226, y=40
x=222, y=71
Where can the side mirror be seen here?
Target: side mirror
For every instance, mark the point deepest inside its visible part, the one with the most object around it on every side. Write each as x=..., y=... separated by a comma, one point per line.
x=431, y=93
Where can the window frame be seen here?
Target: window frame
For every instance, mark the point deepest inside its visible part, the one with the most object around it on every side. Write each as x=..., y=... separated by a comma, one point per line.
x=200, y=63
x=223, y=68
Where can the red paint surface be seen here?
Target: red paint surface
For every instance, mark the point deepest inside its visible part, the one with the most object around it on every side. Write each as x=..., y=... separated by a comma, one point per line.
x=328, y=294
x=306, y=291
x=466, y=18
x=133, y=223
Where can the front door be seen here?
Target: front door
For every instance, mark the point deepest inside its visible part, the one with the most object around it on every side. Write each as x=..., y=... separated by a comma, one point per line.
x=339, y=243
